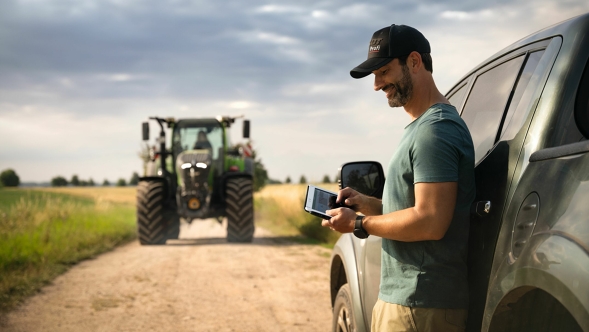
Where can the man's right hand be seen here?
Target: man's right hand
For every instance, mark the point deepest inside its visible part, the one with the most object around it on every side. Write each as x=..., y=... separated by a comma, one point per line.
x=369, y=206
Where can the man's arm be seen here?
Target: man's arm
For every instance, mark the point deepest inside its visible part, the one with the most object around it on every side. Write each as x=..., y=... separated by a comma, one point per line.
x=429, y=219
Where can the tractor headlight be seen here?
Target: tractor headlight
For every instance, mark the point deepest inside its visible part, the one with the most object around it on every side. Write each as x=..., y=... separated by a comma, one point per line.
x=193, y=203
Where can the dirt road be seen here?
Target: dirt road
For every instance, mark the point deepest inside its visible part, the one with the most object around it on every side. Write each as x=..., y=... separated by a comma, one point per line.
x=197, y=283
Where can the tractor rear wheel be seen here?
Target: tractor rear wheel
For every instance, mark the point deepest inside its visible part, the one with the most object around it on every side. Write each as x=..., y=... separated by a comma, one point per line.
x=155, y=222
x=239, y=209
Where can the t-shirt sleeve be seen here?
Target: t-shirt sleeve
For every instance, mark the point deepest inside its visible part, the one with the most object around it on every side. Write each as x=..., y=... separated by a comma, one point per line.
x=436, y=154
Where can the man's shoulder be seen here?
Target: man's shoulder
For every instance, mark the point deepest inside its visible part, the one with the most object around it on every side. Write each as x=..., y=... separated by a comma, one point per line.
x=442, y=116
x=440, y=112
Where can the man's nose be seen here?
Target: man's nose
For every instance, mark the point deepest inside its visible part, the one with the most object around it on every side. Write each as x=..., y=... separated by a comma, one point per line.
x=378, y=82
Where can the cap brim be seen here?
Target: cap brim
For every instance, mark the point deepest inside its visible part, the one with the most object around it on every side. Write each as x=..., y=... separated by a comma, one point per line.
x=368, y=66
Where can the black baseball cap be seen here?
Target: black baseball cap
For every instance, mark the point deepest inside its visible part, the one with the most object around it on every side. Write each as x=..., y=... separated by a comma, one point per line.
x=389, y=43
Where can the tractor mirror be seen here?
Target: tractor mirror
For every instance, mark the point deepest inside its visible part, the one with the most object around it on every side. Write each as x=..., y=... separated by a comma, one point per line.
x=366, y=177
x=145, y=127
x=246, y=128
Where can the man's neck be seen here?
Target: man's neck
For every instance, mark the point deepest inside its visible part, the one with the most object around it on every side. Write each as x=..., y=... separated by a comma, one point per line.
x=425, y=94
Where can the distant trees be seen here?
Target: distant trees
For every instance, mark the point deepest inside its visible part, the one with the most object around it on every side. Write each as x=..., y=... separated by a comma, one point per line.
x=134, y=179
x=75, y=181
x=288, y=180
x=273, y=181
x=58, y=181
x=326, y=179
x=9, y=178
x=303, y=180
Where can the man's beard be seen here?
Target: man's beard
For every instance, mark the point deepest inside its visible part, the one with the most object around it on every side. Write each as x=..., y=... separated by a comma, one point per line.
x=403, y=90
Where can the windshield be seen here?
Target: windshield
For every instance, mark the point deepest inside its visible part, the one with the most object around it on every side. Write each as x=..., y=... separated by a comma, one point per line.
x=192, y=136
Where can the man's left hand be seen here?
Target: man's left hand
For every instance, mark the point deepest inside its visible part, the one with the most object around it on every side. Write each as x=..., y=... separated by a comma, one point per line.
x=342, y=220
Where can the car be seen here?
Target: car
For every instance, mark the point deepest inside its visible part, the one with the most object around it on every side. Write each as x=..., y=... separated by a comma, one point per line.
x=527, y=108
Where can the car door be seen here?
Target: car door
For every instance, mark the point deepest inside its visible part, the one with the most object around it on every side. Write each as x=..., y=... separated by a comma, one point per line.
x=497, y=110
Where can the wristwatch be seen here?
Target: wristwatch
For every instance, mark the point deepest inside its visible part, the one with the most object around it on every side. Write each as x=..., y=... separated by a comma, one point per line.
x=359, y=231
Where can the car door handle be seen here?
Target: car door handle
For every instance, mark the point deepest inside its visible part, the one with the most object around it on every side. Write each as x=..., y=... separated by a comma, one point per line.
x=481, y=208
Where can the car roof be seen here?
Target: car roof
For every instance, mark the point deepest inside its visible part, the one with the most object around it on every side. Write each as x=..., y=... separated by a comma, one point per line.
x=568, y=29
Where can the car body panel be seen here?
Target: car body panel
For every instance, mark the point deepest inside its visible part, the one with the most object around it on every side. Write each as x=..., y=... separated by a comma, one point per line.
x=344, y=257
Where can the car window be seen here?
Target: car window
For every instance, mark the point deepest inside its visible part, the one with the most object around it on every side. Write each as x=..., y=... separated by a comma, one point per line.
x=457, y=97
x=486, y=103
x=526, y=86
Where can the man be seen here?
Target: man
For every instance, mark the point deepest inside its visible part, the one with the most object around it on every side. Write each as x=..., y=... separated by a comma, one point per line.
x=202, y=142
x=423, y=217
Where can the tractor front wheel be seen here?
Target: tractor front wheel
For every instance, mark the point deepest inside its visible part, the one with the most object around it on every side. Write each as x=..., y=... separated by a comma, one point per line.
x=239, y=209
x=156, y=222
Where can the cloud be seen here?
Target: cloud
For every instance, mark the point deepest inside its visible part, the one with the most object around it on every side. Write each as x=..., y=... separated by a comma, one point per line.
x=467, y=16
x=279, y=9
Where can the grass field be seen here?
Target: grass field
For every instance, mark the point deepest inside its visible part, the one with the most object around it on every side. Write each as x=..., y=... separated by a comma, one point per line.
x=44, y=232
x=279, y=209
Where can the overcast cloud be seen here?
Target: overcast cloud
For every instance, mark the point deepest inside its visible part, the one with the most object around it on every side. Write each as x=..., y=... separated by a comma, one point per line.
x=77, y=77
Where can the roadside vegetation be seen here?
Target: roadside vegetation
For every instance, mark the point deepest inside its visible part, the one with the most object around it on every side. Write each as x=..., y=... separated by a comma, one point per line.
x=279, y=209
x=43, y=232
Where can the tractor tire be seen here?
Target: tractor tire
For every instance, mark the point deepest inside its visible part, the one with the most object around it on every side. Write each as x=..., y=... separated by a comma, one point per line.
x=239, y=209
x=156, y=222
x=343, y=316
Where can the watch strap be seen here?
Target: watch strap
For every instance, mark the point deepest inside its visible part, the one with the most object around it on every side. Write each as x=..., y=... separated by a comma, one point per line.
x=359, y=231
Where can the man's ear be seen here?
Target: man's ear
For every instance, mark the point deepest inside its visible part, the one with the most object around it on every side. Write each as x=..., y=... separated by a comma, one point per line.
x=414, y=61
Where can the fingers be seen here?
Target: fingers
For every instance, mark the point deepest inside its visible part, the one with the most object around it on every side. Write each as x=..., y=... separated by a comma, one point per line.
x=333, y=212
x=345, y=193
x=342, y=220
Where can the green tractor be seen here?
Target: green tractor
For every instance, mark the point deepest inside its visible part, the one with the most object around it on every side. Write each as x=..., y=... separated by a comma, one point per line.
x=199, y=176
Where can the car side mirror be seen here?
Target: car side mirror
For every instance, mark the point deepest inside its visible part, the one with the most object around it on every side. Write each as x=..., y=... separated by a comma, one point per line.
x=246, y=128
x=366, y=177
x=145, y=127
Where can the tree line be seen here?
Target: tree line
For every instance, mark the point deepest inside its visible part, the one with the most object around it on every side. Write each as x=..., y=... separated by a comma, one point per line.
x=303, y=179
x=75, y=181
x=9, y=178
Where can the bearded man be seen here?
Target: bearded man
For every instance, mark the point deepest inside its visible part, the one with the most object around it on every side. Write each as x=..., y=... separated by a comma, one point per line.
x=423, y=216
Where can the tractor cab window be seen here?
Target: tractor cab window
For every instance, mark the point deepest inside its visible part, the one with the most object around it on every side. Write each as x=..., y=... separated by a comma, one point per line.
x=189, y=136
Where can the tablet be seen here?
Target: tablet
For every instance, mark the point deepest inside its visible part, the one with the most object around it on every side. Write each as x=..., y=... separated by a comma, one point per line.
x=319, y=200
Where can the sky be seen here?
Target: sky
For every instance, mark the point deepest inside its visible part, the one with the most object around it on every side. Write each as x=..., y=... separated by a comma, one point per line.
x=77, y=77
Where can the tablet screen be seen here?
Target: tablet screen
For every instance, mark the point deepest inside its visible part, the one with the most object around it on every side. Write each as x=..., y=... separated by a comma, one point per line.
x=320, y=200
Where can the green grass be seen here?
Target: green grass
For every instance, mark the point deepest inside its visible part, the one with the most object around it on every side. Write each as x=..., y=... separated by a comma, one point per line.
x=301, y=226
x=42, y=234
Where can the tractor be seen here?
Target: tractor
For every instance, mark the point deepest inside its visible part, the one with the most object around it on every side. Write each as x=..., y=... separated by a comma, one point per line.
x=199, y=175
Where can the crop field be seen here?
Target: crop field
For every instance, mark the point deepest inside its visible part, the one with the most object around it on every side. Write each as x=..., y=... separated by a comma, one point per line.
x=43, y=231
x=279, y=209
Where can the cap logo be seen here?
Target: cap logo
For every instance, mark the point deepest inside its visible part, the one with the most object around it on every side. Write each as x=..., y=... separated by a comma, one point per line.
x=374, y=45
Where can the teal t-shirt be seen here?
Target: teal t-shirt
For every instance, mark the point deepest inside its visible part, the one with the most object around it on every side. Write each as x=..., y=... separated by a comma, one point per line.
x=436, y=147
